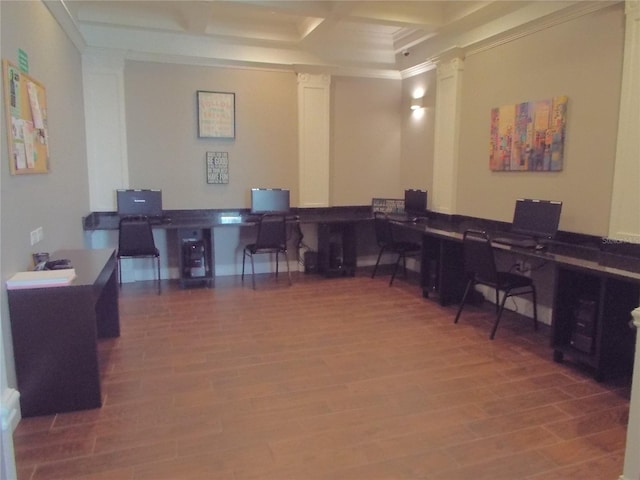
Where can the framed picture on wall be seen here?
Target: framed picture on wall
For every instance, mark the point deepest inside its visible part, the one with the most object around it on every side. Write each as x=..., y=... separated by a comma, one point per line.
x=216, y=114
x=217, y=167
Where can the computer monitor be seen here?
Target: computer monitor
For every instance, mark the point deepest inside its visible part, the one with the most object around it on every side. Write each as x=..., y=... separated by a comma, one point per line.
x=415, y=202
x=269, y=200
x=139, y=202
x=536, y=218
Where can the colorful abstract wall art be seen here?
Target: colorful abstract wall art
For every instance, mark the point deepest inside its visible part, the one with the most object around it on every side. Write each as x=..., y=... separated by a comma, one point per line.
x=528, y=136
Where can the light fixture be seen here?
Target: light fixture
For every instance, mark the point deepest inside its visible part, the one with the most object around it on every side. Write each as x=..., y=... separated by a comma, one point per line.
x=416, y=103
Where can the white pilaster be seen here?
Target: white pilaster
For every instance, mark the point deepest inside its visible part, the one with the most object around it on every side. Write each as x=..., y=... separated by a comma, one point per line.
x=447, y=131
x=104, y=104
x=313, y=139
x=624, y=223
x=631, y=458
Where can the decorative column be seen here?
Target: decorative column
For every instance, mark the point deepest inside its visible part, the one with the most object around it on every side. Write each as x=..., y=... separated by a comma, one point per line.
x=313, y=139
x=106, y=130
x=624, y=223
x=631, y=457
x=447, y=130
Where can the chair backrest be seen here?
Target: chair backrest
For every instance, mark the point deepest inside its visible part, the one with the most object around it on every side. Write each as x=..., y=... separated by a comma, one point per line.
x=272, y=232
x=136, y=237
x=384, y=234
x=479, y=260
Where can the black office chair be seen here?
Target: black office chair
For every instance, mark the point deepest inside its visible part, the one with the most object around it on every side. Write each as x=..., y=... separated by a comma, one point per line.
x=271, y=238
x=387, y=243
x=480, y=268
x=135, y=240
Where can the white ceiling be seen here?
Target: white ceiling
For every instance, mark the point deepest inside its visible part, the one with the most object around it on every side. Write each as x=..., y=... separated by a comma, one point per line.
x=356, y=37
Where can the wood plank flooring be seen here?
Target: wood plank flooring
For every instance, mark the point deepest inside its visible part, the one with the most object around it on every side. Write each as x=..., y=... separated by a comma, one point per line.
x=343, y=378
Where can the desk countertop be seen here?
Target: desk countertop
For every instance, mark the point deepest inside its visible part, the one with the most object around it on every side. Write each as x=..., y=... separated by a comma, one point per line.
x=229, y=217
x=569, y=255
x=576, y=251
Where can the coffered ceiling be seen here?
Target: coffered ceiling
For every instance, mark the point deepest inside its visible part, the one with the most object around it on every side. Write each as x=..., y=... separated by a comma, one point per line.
x=353, y=37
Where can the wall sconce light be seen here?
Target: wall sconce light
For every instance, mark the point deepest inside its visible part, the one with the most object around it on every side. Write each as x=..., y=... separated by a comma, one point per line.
x=416, y=103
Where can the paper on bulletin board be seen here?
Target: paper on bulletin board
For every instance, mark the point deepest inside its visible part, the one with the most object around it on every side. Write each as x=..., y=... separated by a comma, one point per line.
x=26, y=118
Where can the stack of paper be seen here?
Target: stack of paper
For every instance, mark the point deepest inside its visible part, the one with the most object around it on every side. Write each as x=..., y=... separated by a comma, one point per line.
x=41, y=279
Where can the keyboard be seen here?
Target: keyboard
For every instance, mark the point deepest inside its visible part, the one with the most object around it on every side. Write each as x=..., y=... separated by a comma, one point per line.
x=513, y=240
x=159, y=220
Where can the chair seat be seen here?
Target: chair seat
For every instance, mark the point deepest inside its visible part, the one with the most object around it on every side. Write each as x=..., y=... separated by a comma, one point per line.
x=404, y=247
x=138, y=252
x=508, y=280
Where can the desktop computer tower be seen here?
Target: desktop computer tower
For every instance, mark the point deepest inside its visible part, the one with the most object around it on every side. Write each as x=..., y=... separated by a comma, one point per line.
x=193, y=258
x=583, y=326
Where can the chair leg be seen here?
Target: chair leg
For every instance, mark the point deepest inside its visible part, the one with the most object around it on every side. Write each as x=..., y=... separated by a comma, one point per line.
x=159, y=282
x=244, y=256
x=277, y=259
x=395, y=268
x=535, y=308
x=286, y=258
x=253, y=273
x=464, y=299
x=120, y=271
x=495, y=325
x=377, y=262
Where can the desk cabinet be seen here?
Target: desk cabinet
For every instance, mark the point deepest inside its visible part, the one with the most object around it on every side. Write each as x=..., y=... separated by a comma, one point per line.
x=54, y=333
x=582, y=297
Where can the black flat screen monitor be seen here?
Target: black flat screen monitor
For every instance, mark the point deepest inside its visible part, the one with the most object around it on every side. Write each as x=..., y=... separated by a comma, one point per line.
x=269, y=200
x=536, y=218
x=139, y=202
x=415, y=202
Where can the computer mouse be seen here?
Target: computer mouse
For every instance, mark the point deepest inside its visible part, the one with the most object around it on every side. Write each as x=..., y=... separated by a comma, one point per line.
x=540, y=247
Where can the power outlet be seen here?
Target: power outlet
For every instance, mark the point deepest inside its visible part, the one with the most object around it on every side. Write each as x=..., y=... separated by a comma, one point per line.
x=36, y=235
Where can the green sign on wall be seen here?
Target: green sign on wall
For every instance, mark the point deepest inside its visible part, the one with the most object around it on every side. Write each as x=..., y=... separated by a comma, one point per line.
x=23, y=61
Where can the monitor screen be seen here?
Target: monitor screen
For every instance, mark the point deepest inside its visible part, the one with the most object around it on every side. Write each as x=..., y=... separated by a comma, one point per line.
x=536, y=218
x=139, y=202
x=415, y=202
x=269, y=200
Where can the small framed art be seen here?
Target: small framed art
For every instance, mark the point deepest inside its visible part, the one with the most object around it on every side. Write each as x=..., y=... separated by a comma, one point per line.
x=217, y=167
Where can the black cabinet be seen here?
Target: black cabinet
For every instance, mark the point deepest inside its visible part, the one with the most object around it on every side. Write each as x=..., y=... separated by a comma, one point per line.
x=591, y=316
x=195, y=257
x=55, y=329
x=337, y=249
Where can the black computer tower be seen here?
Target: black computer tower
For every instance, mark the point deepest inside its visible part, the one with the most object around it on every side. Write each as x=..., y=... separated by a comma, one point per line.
x=583, y=327
x=193, y=259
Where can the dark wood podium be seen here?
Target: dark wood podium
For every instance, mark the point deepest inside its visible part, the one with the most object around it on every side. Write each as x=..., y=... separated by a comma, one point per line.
x=55, y=332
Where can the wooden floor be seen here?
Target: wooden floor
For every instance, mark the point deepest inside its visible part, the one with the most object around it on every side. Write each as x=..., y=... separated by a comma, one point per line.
x=342, y=378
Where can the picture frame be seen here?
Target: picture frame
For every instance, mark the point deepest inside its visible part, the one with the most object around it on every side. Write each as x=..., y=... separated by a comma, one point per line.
x=217, y=167
x=216, y=114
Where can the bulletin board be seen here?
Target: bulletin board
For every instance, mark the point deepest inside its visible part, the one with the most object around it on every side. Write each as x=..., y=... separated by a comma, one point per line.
x=25, y=103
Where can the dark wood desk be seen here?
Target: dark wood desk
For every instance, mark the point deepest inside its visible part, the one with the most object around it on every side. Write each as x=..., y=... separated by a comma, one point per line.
x=55, y=331
x=609, y=284
x=337, y=251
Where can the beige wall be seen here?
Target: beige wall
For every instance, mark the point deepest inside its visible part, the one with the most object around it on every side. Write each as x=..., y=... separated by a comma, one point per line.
x=416, y=165
x=164, y=149
x=581, y=59
x=365, y=140
x=55, y=201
